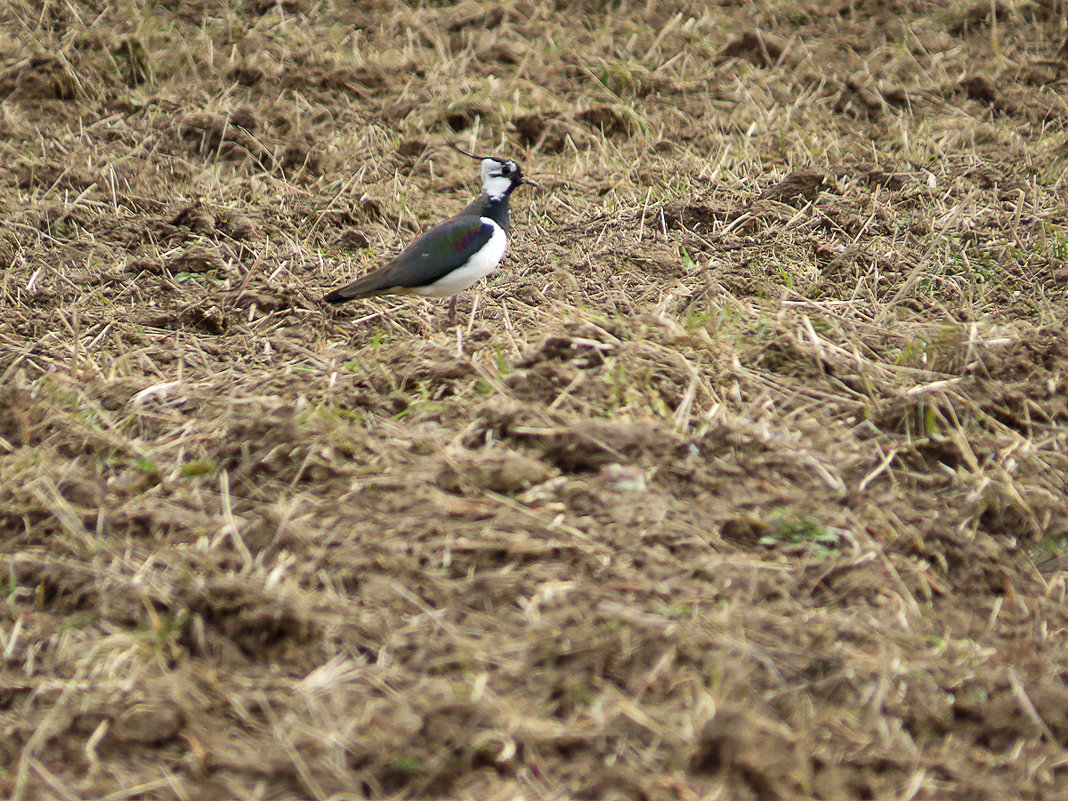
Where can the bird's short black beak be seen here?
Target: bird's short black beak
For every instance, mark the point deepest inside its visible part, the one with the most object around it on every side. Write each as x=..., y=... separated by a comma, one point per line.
x=528, y=182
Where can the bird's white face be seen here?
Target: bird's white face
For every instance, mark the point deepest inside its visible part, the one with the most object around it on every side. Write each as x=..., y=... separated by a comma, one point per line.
x=498, y=177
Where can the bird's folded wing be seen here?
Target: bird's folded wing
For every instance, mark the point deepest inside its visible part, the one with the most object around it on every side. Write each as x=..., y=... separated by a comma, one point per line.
x=444, y=248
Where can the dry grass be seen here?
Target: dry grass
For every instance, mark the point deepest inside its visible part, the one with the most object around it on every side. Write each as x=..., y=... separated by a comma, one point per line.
x=743, y=479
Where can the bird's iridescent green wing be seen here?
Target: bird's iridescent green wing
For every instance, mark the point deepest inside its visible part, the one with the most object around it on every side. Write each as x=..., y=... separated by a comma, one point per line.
x=444, y=248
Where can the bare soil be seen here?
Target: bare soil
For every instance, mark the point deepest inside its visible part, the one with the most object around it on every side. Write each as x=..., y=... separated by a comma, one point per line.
x=744, y=478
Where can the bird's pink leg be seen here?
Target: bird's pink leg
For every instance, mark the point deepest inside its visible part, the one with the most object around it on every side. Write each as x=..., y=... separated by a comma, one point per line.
x=452, y=310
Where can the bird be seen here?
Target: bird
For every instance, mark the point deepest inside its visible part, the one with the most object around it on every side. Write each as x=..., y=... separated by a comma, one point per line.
x=455, y=253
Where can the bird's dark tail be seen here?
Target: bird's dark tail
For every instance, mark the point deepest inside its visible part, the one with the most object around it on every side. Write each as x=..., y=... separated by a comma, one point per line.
x=337, y=296
x=366, y=287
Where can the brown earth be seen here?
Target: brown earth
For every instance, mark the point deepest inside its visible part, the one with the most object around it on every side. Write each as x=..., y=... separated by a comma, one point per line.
x=743, y=479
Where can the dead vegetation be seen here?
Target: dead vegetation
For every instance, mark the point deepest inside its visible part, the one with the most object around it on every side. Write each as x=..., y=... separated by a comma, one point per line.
x=745, y=477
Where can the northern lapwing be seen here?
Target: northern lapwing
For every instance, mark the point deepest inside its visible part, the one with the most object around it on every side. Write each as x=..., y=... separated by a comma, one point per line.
x=454, y=254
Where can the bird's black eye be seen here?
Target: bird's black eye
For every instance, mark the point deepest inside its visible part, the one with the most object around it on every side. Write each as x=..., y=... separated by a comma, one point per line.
x=507, y=168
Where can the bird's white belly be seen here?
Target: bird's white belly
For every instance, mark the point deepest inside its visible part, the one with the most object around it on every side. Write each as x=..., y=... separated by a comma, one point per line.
x=478, y=267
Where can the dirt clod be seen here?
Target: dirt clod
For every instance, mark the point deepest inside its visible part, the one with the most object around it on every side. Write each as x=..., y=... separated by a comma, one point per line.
x=606, y=119
x=147, y=725
x=754, y=48
x=797, y=186
x=496, y=469
x=979, y=88
x=198, y=260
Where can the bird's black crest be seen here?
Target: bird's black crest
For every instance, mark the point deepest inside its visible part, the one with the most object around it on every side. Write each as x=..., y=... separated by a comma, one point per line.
x=455, y=147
